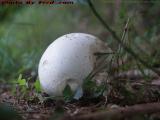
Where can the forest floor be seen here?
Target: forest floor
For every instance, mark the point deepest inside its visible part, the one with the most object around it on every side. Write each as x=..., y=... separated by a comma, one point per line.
x=34, y=109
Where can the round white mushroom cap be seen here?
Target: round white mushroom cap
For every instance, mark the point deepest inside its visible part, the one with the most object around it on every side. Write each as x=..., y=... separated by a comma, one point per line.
x=67, y=61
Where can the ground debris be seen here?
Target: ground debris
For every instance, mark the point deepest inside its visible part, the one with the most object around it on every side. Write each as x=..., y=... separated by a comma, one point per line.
x=33, y=109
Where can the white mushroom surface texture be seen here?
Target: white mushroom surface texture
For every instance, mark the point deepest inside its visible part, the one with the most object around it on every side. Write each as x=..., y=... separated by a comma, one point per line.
x=68, y=61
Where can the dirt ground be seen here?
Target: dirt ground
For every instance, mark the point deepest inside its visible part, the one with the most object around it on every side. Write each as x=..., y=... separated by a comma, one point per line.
x=34, y=109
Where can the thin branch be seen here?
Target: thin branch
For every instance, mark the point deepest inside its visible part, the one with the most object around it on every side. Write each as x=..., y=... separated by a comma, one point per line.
x=135, y=74
x=124, y=34
x=119, y=113
x=114, y=35
x=120, y=50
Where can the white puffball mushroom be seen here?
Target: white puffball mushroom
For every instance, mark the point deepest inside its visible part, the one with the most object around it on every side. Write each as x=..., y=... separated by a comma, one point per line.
x=67, y=61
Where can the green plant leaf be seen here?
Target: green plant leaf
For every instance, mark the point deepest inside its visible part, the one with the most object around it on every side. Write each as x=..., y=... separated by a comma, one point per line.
x=21, y=82
x=20, y=77
x=37, y=86
x=89, y=85
x=67, y=93
x=99, y=90
x=92, y=89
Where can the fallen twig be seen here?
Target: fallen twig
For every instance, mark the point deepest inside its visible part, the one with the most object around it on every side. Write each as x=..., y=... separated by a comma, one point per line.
x=136, y=74
x=119, y=113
